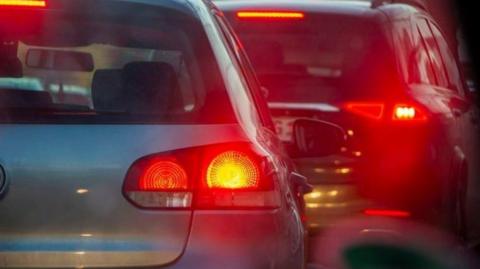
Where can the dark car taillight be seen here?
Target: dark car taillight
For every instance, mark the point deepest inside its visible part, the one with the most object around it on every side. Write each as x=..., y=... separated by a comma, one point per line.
x=210, y=177
x=408, y=112
x=400, y=112
x=366, y=109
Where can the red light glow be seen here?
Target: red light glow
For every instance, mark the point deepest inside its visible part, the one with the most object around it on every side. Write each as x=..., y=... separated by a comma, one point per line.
x=163, y=175
x=23, y=3
x=369, y=110
x=407, y=113
x=211, y=177
x=232, y=170
x=270, y=15
x=387, y=213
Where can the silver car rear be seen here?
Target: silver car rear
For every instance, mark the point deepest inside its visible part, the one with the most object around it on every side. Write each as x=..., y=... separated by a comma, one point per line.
x=140, y=147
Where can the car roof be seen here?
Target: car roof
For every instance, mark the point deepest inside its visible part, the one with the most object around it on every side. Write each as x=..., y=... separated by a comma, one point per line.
x=360, y=8
x=180, y=5
x=186, y=7
x=334, y=6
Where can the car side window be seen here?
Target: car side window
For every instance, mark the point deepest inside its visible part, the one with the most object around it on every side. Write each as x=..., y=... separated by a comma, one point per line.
x=247, y=69
x=434, y=53
x=402, y=42
x=420, y=66
x=451, y=66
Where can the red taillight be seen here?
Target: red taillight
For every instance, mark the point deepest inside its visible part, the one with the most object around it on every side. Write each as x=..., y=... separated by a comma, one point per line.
x=236, y=178
x=158, y=182
x=403, y=112
x=213, y=177
x=387, y=213
x=163, y=175
x=23, y=3
x=272, y=15
x=369, y=110
x=232, y=170
x=376, y=111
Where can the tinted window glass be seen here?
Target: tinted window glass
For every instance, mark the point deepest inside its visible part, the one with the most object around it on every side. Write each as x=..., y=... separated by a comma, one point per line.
x=450, y=63
x=102, y=68
x=420, y=70
x=324, y=58
x=403, y=42
x=434, y=53
x=247, y=70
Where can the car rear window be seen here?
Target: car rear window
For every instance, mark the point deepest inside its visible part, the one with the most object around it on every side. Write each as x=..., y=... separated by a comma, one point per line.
x=107, y=65
x=322, y=57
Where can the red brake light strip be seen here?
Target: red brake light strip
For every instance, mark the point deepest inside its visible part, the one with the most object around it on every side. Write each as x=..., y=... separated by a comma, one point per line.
x=23, y=3
x=387, y=213
x=270, y=15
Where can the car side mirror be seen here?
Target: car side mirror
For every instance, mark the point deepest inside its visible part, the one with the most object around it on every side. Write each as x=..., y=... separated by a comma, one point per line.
x=472, y=90
x=315, y=138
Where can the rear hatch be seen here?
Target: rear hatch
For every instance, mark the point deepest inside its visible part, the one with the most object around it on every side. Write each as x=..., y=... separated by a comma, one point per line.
x=93, y=86
x=63, y=206
x=316, y=64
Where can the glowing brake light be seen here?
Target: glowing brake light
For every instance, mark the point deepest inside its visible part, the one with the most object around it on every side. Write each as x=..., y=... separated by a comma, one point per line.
x=399, y=112
x=403, y=112
x=270, y=15
x=163, y=175
x=233, y=170
x=236, y=178
x=224, y=176
x=387, y=213
x=369, y=110
x=158, y=182
x=23, y=3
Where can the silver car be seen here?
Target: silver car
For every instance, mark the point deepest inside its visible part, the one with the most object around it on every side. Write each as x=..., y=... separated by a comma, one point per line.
x=149, y=145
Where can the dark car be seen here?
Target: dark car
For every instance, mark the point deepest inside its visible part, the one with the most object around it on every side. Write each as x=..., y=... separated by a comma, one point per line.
x=385, y=73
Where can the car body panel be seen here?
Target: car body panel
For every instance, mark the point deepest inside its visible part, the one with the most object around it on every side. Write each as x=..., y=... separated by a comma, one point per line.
x=341, y=7
x=63, y=206
x=72, y=192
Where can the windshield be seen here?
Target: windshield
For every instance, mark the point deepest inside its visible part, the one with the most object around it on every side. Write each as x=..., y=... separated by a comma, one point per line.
x=324, y=58
x=92, y=68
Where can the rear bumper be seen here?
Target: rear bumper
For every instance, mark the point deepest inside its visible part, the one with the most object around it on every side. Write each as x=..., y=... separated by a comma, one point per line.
x=217, y=239
x=328, y=204
x=241, y=239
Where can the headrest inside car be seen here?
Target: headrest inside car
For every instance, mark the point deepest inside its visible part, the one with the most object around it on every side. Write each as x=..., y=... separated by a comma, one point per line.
x=138, y=88
x=150, y=86
x=11, y=67
x=24, y=98
x=107, y=93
